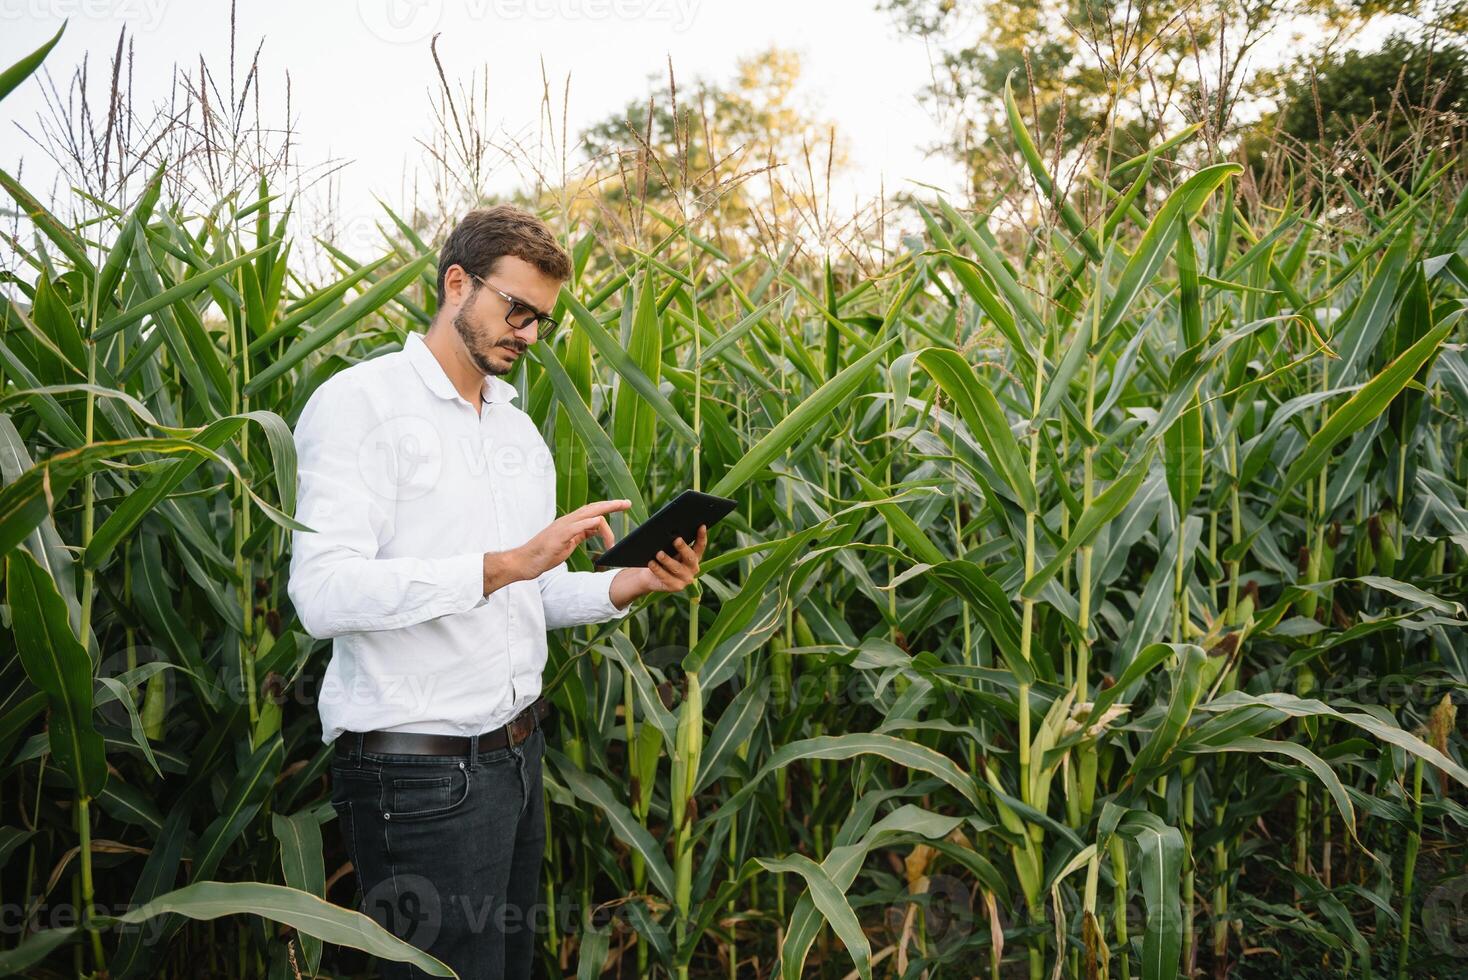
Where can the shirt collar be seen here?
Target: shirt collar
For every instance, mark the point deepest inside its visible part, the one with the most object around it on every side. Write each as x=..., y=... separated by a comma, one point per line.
x=494, y=390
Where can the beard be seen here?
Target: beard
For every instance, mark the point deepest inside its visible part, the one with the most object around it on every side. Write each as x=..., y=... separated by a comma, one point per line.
x=475, y=347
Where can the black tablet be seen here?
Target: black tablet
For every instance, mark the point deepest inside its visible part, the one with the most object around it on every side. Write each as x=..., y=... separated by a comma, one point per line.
x=678, y=518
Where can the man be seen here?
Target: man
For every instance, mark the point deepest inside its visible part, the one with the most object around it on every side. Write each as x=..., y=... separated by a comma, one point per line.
x=436, y=564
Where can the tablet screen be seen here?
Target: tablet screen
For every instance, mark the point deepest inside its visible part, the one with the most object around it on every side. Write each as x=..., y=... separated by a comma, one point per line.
x=679, y=518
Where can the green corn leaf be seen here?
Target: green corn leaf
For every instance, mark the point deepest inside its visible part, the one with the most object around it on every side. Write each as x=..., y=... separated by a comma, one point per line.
x=733, y=729
x=1287, y=705
x=1187, y=688
x=33, y=950
x=188, y=343
x=966, y=271
x=72, y=246
x=247, y=793
x=987, y=599
x=1106, y=506
x=314, y=304
x=1363, y=406
x=1182, y=454
x=1367, y=403
x=898, y=750
x=300, y=910
x=736, y=611
x=59, y=666
x=904, y=527
x=844, y=861
x=622, y=651
x=377, y=296
x=44, y=543
x=573, y=481
x=605, y=460
x=1031, y=154
x=122, y=248
x=127, y=804
x=23, y=502
x=590, y=789
x=1184, y=202
x=634, y=421
x=732, y=336
x=1190, y=299
x=622, y=362
x=799, y=422
x=592, y=953
x=25, y=67
x=1299, y=753
x=301, y=864
x=1149, y=657
x=53, y=317
x=137, y=505
x=832, y=904
x=980, y=410
x=1126, y=205
x=1160, y=867
x=116, y=690
x=185, y=290
x=1176, y=139
x=991, y=263
x=1361, y=333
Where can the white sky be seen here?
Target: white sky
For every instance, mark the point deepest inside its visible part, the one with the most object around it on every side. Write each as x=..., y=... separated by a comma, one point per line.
x=361, y=70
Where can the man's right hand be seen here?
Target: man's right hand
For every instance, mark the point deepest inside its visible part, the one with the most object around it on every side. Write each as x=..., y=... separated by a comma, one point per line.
x=551, y=546
x=554, y=544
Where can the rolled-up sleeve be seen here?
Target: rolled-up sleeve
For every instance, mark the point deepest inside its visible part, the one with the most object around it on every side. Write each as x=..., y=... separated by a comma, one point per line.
x=578, y=598
x=337, y=583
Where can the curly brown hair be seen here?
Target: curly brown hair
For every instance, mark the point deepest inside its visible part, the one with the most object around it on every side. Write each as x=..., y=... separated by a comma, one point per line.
x=485, y=234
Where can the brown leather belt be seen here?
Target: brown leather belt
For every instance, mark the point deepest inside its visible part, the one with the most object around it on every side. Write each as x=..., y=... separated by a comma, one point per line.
x=418, y=743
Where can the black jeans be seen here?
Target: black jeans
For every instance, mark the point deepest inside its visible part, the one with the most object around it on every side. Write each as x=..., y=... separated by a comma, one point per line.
x=447, y=852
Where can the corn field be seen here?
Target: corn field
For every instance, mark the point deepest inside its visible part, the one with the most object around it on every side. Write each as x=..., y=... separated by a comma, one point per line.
x=1094, y=604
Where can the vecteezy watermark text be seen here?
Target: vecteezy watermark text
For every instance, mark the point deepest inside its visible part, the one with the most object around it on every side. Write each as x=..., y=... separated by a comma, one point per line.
x=142, y=15
x=414, y=21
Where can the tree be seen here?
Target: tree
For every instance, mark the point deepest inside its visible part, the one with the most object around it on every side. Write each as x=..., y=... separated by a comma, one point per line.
x=1396, y=102
x=727, y=147
x=1075, y=63
x=1140, y=68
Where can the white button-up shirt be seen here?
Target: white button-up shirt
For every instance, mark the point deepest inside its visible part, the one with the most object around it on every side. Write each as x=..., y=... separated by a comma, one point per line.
x=406, y=487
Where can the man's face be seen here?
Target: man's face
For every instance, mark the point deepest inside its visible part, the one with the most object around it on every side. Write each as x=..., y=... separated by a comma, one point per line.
x=493, y=345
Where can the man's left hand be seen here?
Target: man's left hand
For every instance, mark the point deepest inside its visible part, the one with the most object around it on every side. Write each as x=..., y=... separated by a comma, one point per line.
x=665, y=573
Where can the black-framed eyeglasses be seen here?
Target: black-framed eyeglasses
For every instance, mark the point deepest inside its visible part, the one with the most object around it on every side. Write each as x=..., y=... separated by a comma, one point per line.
x=521, y=314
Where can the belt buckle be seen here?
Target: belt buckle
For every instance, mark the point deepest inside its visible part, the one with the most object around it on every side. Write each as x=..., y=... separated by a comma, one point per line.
x=523, y=722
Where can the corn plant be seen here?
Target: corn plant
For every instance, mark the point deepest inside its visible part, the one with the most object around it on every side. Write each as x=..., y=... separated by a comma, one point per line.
x=1093, y=605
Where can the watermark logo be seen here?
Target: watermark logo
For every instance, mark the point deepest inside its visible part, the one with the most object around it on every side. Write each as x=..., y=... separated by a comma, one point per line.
x=948, y=913
x=408, y=906
x=401, y=458
x=401, y=21
x=1445, y=917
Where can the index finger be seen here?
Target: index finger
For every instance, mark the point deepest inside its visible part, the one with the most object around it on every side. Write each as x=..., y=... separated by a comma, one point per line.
x=598, y=508
x=594, y=527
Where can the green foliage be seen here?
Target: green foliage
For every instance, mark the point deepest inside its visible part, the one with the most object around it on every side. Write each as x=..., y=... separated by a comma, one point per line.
x=1393, y=86
x=1110, y=574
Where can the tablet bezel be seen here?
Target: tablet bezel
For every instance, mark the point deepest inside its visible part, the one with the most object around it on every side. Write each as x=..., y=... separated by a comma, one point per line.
x=679, y=517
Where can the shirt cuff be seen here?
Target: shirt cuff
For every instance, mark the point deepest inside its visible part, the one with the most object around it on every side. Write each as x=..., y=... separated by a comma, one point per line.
x=466, y=578
x=604, y=590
